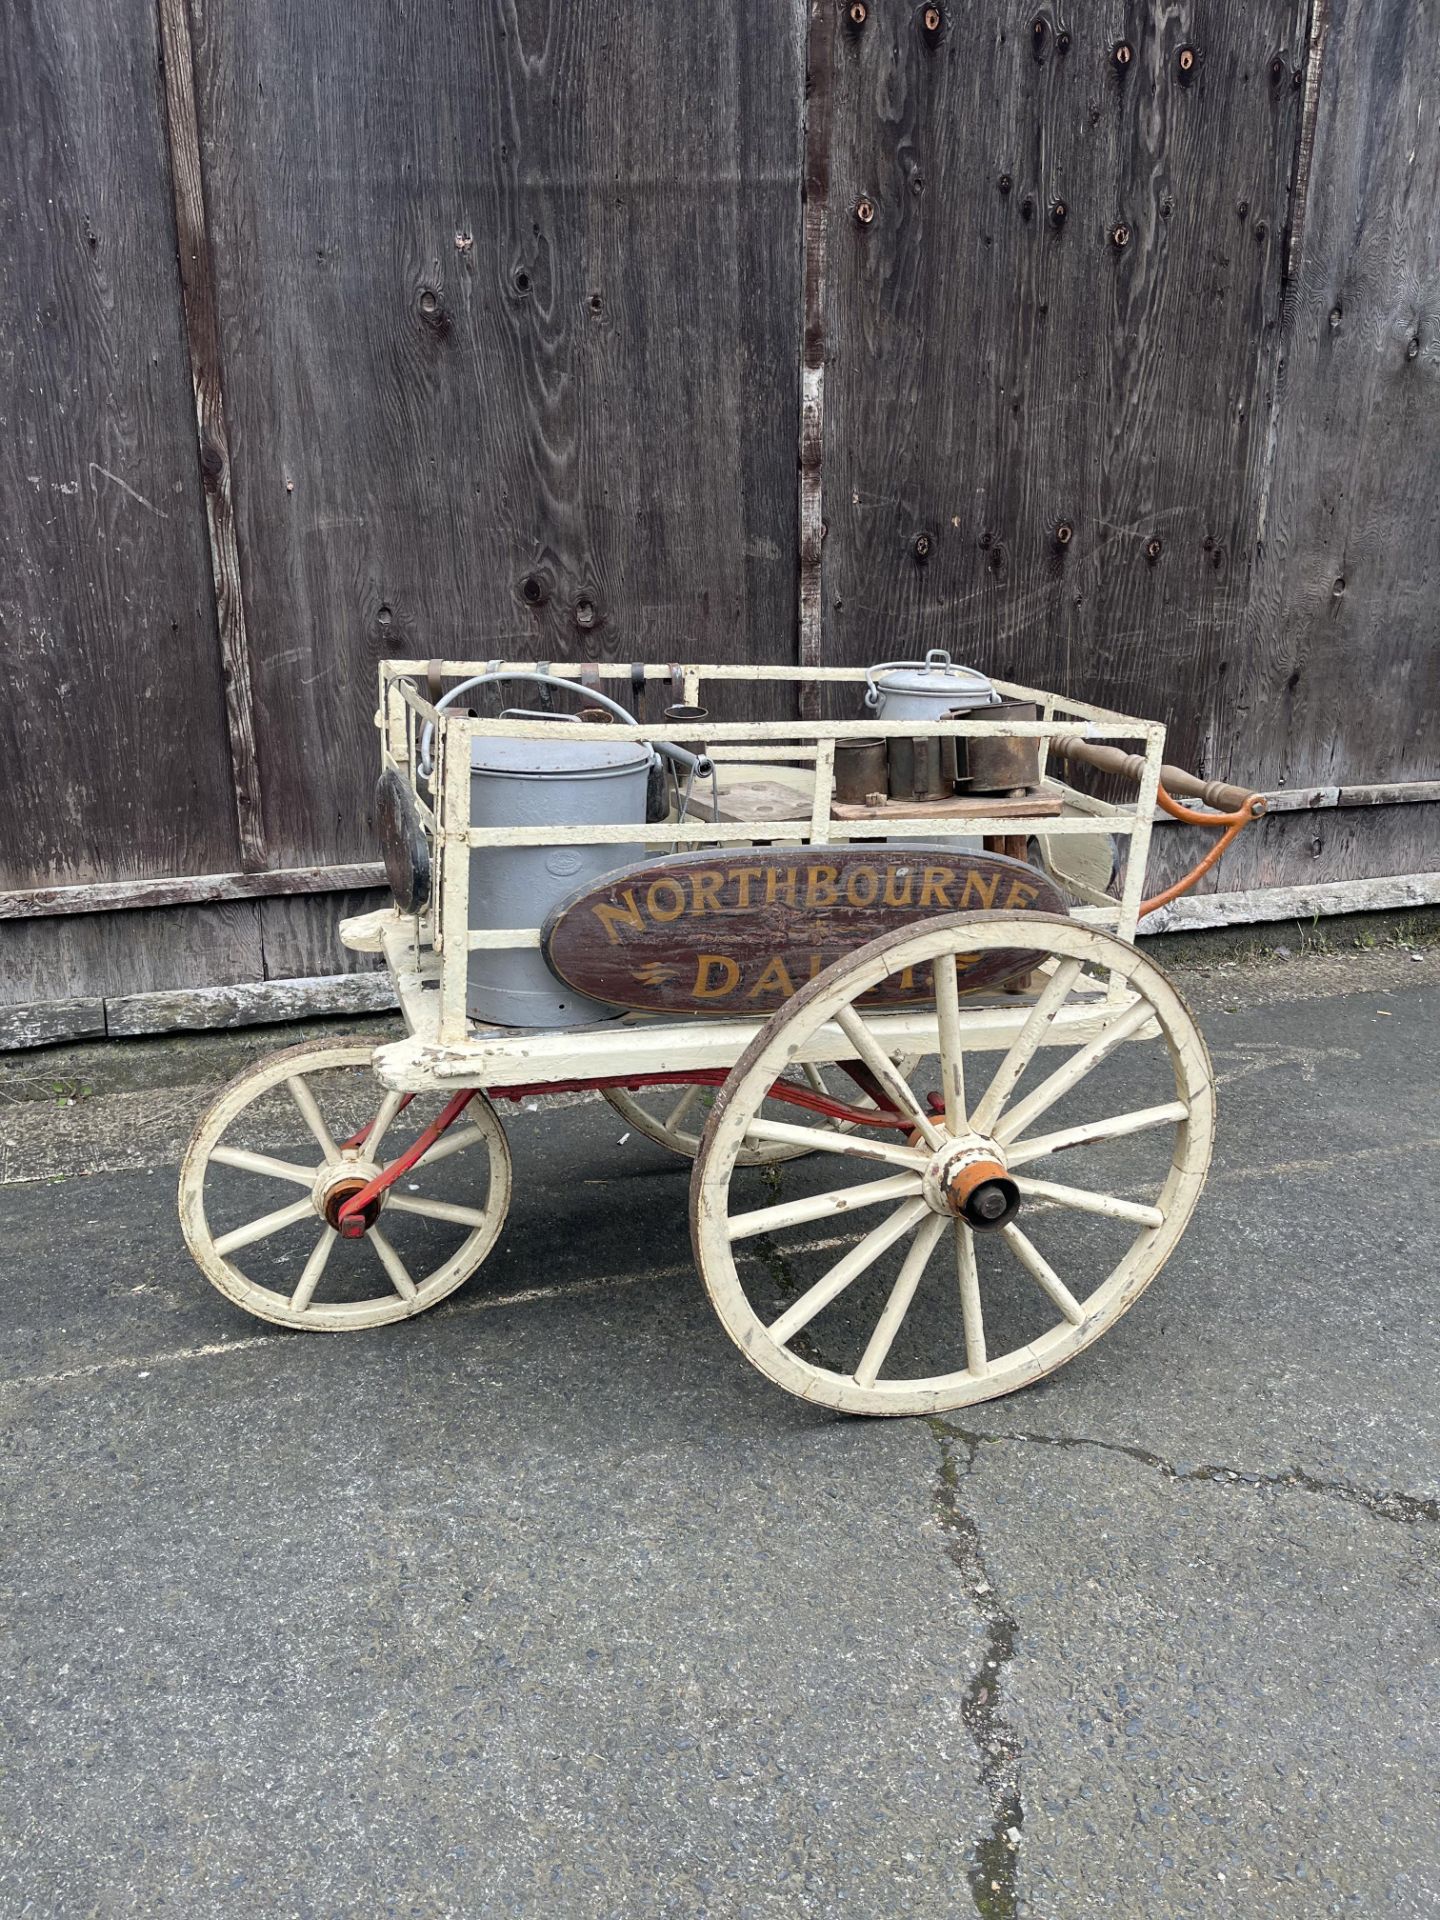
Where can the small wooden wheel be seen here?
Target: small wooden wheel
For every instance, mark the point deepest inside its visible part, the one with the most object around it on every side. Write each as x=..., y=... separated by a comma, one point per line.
x=675, y=1117
x=862, y=1316
x=281, y=1128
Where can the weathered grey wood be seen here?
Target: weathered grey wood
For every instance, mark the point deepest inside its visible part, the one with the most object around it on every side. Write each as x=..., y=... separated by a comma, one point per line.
x=50, y=1022
x=1403, y=793
x=1338, y=680
x=112, y=758
x=1052, y=349
x=83, y=955
x=300, y=933
x=1304, y=903
x=509, y=308
x=202, y=335
x=1303, y=849
x=819, y=81
x=38, y=903
x=249, y=1006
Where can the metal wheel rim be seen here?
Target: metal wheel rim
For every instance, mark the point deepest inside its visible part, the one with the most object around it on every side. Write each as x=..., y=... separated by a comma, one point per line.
x=334, y=1316
x=844, y=982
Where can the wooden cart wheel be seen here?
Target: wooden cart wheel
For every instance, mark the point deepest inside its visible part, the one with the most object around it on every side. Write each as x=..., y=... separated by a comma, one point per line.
x=939, y=1295
x=270, y=1163
x=675, y=1117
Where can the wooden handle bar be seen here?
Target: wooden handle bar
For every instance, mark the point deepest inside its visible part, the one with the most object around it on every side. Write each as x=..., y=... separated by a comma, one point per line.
x=1215, y=793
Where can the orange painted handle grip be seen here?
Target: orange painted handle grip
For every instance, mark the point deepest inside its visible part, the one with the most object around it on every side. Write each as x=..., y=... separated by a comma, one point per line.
x=1235, y=807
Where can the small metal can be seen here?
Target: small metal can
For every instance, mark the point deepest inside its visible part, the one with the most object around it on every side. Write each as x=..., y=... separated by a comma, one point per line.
x=859, y=770
x=1001, y=764
x=922, y=768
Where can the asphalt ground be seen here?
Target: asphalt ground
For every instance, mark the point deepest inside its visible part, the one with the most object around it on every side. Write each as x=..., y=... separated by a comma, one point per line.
x=546, y=1603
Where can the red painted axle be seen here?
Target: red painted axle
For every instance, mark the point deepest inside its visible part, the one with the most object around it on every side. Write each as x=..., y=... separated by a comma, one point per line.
x=351, y=1221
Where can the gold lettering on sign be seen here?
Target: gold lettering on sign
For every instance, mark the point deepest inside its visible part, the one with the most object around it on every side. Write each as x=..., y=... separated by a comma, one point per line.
x=705, y=892
x=1021, y=894
x=933, y=893
x=677, y=896
x=775, y=979
x=977, y=884
x=894, y=897
x=742, y=876
x=612, y=918
x=727, y=969
x=776, y=883
x=821, y=888
x=862, y=886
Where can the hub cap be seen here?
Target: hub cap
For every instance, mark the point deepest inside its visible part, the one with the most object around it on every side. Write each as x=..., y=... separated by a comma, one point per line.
x=967, y=1179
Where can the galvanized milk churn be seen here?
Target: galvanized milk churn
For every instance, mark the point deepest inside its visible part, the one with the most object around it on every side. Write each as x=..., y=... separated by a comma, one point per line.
x=575, y=778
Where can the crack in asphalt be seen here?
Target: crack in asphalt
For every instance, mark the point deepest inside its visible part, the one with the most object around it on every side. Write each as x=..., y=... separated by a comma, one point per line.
x=994, y=1858
x=1406, y=1509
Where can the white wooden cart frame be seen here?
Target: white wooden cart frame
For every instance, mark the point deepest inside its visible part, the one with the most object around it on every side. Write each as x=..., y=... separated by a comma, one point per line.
x=428, y=954
x=948, y=1168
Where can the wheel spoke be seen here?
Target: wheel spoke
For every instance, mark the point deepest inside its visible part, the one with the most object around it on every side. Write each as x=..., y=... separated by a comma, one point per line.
x=861, y=1256
x=436, y=1209
x=886, y=1072
x=248, y=1162
x=1022, y=1048
x=820, y=1206
x=952, y=1057
x=392, y=1263
x=682, y=1106
x=966, y=1272
x=1082, y=1201
x=312, y=1116
x=314, y=1267
x=380, y=1125
x=898, y=1305
x=262, y=1228
x=455, y=1141
x=823, y=1140
x=1014, y=1123
x=1044, y=1144
x=1039, y=1268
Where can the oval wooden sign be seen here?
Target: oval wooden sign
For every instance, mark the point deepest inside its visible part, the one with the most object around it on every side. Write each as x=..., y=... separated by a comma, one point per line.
x=737, y=932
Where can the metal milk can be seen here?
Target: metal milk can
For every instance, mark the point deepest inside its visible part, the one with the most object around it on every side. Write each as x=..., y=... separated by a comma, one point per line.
x=930, y=689
x=573, y=780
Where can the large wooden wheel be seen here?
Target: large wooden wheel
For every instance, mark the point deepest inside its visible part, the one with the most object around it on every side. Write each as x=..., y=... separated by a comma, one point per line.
x=923, y=1286
x=270, y=1164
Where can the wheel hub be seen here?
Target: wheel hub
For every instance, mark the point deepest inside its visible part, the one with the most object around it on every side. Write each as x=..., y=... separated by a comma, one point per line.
x=967, y=1179
x=340, y=1183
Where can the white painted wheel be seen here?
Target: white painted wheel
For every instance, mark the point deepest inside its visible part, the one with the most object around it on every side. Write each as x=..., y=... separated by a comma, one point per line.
x=938, y=1295
x=675, y=1117
x=272, y=1157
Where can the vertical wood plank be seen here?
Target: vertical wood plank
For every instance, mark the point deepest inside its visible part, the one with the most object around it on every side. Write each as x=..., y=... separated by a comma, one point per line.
x=1339, y=674
x=112, y=728
x=1053, y=347
x=819, y=61
x=203, y=342
x=509, y=308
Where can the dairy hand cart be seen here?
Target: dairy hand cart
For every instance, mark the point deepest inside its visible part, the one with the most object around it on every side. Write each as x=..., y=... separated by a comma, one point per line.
x=946, y=1121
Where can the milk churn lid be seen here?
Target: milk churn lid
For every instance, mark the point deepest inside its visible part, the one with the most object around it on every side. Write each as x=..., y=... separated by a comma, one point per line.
x=939, y=677
x=572, y=753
